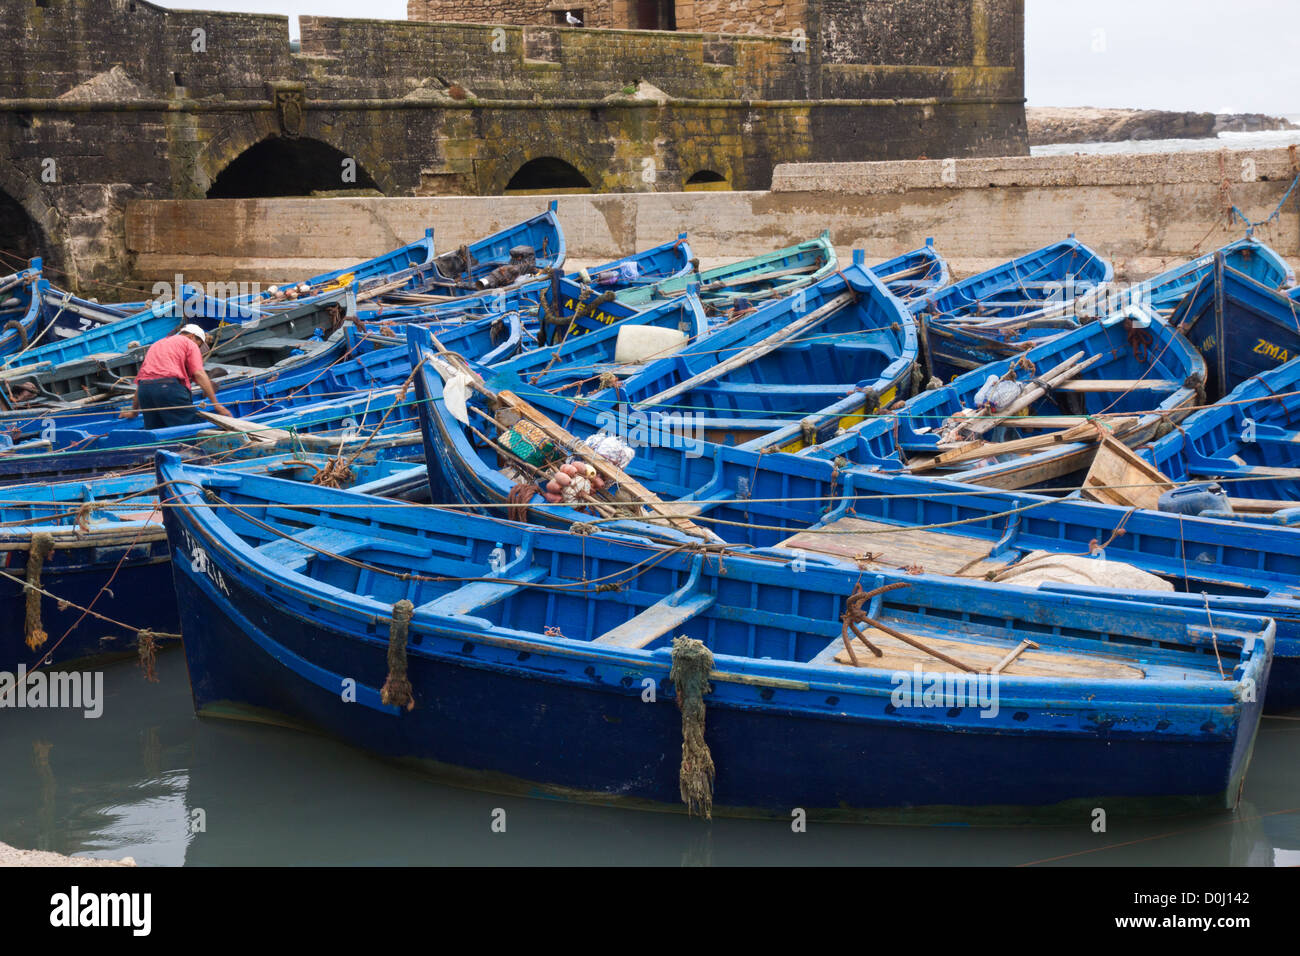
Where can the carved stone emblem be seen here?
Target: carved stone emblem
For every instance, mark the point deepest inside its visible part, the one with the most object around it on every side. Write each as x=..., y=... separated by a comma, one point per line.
x=290, y=107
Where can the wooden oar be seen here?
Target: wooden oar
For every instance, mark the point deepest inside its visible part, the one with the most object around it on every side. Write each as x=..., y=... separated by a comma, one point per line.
x=255, y=432
x=1085, y=431
x=756, y=351
x=750, y=278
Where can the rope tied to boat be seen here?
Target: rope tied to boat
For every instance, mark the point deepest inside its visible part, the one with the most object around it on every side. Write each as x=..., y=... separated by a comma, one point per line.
x=41, y=548
x=146, y=648
x=692, y=664
x=521, y=493
x=1139, y=340
x=18, y=327
x=84, y=514
x=337, y=473
x=396, y=691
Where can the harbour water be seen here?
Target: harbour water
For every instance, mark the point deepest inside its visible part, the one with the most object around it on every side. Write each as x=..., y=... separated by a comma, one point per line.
x=149, y=780
x=1271, y=139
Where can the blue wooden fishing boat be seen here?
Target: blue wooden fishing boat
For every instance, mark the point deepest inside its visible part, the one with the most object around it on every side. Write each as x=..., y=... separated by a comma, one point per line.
x=661, y=262
x=346, y=363
x=593, y=342
x=841, y=510
x=77, y=454
x=1249, y=443
x=97, y=551
x=741, y=284
x=84, y=392
x=386, y=271
x=384, y=268
x=468, y=647
x=1248, y=256
x=1241, y=325
x=913, y=275
x=109, y=334
x=20, y=307
x=1034, y=420
x=995, y=313
x=837, y=350
x=465, y=270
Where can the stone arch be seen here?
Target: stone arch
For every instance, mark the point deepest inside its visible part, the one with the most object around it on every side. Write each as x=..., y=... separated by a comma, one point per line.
x=548, y=173
x=288, y=166
x=29, y=226
x=705, y=179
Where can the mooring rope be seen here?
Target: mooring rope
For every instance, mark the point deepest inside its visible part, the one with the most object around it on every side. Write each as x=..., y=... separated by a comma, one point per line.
x=41, y=547
x=692, y=664
x=396, y=691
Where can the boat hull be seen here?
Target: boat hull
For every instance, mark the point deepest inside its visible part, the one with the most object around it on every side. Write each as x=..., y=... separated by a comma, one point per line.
x=546, y=716
x=536, y=730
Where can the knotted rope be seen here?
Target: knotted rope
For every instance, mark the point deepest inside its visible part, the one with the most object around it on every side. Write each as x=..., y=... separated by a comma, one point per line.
x=146, y=648
x=335, y=474
x=41, y=547
x=396, y=691
x=84, y=514
x=692, y=664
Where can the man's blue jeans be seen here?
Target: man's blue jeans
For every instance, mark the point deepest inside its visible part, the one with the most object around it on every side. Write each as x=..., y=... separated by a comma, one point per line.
x=166, y=402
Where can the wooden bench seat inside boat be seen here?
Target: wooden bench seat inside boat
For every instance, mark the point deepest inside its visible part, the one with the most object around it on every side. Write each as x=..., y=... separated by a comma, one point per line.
x=295, y=552
x=898, y=546
x=480, y=594
x=665, y=615
x=1032, y=663
x=655, y=621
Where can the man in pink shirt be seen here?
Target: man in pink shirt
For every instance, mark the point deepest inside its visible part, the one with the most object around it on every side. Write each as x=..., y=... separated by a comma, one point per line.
x=162, y=387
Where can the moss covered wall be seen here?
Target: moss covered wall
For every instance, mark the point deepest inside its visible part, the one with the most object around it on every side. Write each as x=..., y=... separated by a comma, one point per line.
x=130, y=101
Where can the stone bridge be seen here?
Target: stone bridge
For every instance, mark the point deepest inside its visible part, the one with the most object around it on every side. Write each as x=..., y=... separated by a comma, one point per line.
x=107, y=101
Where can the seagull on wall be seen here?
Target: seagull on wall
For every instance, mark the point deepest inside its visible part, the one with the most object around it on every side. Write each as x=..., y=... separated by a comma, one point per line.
x=571, y=20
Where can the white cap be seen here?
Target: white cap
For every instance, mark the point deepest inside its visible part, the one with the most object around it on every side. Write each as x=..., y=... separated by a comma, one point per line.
x=193, y=329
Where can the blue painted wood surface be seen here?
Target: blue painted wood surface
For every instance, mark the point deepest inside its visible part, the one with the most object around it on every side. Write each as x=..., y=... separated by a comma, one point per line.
x=517, y=690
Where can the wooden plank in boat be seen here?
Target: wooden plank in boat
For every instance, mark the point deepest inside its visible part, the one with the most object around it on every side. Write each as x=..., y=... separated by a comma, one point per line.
x=1040, y=663
x=1261, y=505
x=655, y=621
x=253, y=430
x=1069, y=459
x=1118, y=476
x=899, y=547
x=1119, y=385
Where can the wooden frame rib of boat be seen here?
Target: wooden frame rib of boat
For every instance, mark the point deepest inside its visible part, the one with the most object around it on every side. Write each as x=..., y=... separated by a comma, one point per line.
x=840, y=510
x=519, y=637
x=1128, y=378
x=108, y=528
x=836, y=350
x=768, y=276
x=1249, y=442
x=1241, y=326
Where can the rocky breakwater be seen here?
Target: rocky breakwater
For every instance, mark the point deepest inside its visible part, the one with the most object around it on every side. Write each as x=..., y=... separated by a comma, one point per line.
x=1049, y=125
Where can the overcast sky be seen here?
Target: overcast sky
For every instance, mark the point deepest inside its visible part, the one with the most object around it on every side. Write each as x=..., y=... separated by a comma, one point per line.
x=1220, y=55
